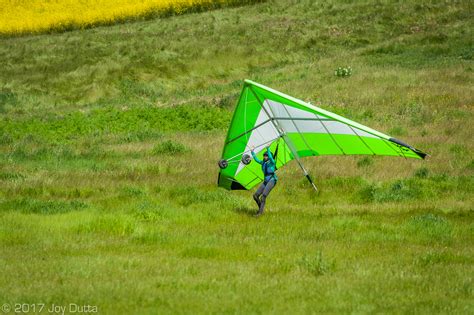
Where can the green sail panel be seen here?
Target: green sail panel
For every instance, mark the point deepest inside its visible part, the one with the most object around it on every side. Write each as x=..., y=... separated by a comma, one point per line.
x=265, y=117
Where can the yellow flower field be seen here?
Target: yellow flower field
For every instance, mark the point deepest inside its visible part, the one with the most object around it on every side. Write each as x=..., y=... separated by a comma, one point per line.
x=36, y=16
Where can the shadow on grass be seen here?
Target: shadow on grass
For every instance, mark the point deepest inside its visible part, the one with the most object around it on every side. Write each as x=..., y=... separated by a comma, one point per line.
x=246, y=211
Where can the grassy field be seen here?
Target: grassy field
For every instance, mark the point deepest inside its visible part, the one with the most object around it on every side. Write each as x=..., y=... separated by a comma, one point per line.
x=110, y=137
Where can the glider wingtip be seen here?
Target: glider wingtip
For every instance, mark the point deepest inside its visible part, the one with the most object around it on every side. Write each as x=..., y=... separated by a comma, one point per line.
x=422, y=155
x=418, y=152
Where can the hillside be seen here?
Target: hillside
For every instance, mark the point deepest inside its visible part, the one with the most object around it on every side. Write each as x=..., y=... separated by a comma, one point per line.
x=110, y=137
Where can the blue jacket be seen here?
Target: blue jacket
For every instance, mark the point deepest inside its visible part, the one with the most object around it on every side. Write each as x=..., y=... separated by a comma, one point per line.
x=268, y=167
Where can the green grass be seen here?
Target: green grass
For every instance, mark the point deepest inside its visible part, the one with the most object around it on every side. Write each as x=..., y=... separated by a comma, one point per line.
x=110, y=137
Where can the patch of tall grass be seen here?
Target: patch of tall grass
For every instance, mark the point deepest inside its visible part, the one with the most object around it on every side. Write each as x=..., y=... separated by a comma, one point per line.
x=37, y=206
x=430, y=227
x=170, y=148
x=316, y=264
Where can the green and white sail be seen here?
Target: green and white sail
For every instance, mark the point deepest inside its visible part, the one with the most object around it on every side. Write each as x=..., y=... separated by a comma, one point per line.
x=265, y=117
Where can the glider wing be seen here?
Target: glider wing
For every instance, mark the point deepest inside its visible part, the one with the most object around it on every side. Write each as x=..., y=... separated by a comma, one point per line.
x=265, y=117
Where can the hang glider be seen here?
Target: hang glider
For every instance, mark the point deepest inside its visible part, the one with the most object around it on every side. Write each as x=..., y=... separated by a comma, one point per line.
x=265, y=117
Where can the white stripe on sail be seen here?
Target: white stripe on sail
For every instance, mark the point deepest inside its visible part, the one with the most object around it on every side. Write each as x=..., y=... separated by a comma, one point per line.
x=309, y=126
x=260, y=137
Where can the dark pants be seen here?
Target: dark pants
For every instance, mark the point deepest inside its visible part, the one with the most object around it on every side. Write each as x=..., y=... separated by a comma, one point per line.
x=263, y=190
